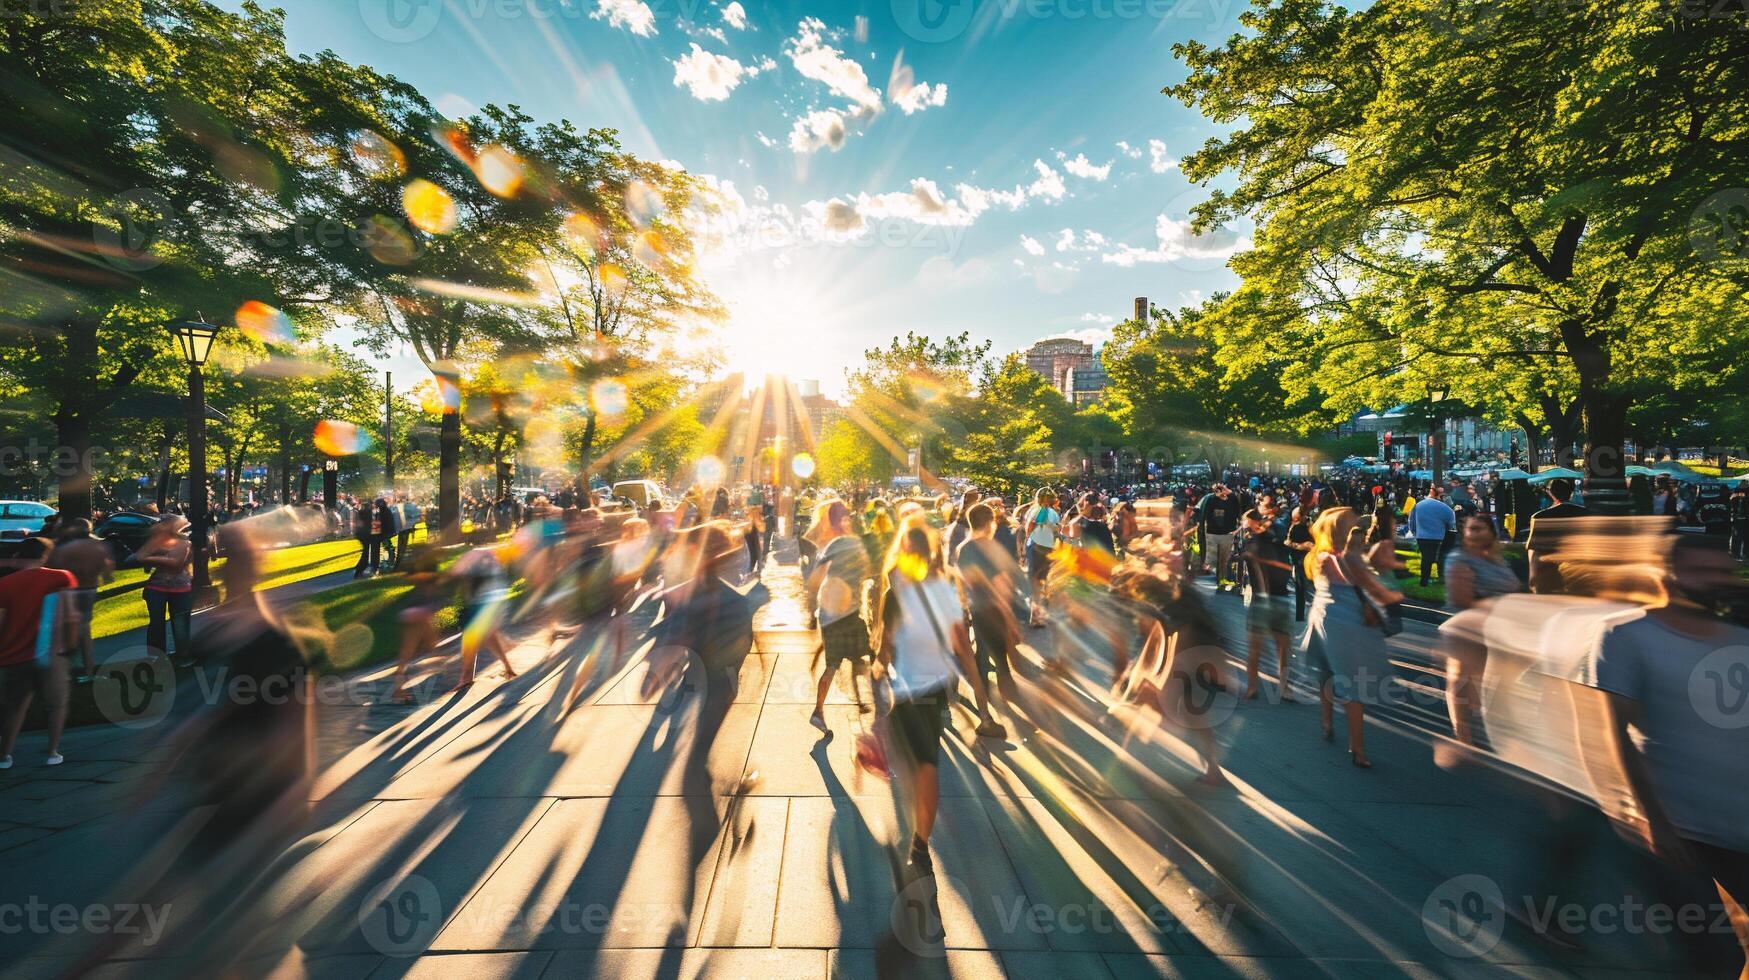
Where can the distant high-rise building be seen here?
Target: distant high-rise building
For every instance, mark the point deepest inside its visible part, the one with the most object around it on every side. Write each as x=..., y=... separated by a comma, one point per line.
x=1142, y=309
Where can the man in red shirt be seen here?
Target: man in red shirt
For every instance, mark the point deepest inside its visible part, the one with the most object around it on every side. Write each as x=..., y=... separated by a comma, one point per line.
x=36, y=623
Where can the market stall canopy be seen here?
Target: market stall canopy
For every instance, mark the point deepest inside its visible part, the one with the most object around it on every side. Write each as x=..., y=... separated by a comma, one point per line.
x=1676, y=471
x=1513, y=473
x=1557, y=473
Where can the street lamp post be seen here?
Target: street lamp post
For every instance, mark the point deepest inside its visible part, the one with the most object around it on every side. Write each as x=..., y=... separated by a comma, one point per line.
x=195, y=339
x=1436, y=394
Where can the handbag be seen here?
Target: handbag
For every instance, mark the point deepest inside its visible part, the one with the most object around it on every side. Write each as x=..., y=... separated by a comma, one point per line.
x=1387, y=619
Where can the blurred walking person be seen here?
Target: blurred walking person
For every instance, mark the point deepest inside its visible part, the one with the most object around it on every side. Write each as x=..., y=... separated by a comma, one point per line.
x=39, y=624
x=924, y=649
x=169, y=589
x=833, y=592
x=1342, y=649
x=89, y=561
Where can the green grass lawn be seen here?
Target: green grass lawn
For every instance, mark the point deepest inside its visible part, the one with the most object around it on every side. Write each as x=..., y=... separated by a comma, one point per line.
x=120, y=608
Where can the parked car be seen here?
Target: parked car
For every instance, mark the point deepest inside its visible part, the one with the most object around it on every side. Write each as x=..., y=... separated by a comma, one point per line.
x=23, y=518
x=641, y=492
x=125, y=532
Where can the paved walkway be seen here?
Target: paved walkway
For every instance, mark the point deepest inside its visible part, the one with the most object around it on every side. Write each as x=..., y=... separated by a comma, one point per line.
x=498, y=834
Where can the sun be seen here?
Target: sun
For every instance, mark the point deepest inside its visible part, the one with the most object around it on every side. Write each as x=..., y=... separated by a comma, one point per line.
x=785, y=328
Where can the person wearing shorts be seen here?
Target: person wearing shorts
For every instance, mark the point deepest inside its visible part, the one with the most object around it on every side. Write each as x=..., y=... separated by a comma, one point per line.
x=37, y=626
x=834, y=590
x=987, y=576
x=924, y=649
x=1042, y=526
x=1269, y=609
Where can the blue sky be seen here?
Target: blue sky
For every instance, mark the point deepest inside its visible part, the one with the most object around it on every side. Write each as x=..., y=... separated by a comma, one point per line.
x=882, y=167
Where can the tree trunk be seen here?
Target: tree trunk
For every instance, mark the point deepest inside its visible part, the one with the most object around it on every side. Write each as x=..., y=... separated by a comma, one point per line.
x=73, y=432
x=284, y=461
x=586, y=452
x=1606, y=427
x=449, y=487
x=304, y=486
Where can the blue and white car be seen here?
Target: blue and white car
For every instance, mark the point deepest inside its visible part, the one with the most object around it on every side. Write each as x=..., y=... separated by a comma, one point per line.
x=23, y=518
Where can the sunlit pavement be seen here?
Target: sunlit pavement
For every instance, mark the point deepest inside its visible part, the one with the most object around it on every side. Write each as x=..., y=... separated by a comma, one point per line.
x=495, y=834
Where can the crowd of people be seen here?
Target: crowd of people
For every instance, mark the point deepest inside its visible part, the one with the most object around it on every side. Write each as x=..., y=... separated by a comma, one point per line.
x=967, y=601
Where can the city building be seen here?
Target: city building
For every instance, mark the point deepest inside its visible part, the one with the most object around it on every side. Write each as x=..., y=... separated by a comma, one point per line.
x=1054, y=355
x=1071, y=366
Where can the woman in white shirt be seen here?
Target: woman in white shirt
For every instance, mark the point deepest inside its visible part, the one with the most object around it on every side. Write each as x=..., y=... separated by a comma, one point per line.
x=924, y=649
x=1042, y=526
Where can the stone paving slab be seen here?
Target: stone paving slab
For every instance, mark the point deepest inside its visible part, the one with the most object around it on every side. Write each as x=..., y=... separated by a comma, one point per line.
x=513, y=810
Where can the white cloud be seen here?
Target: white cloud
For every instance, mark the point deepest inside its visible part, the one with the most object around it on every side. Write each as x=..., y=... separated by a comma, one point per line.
x=1031, y=245
x=1049, y=183
x=977, y=200
x=632, y=15
x=1177, y=242
x=919, y=97
x=735, y=16
x=711, y=77
x=817, y=59
x=714, y=33
x=1083, y=168
x=1133, y=152
x=764, y=139
x=1100, y=318
x=836, y=216
x=861, y=32
x=760, y=193
x=818, y=129
x=1065, y=239
x=1159, y=162
x=905, y=92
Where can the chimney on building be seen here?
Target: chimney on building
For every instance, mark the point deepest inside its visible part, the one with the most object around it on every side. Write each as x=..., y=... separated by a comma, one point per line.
x=1142, y=308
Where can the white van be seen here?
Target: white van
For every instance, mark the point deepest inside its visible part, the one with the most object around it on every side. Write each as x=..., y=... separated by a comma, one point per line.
x=641, y=492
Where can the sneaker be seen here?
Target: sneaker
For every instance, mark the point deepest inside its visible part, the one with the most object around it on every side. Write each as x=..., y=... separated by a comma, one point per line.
x=920, y=858
x=55, y=759
x=5, y=762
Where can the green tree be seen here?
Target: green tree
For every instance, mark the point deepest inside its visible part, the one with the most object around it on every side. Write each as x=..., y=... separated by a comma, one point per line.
x=1538, y=186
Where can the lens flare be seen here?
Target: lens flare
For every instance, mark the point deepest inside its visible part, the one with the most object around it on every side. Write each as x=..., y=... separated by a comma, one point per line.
x=613, y=278
x=337, y=438
x=387, y=241
x=643, y=203
x=429, y=207
x=608, y=396
x=264, y=323
x=455, y=141
x=443, y=397
x=376, y=156
x=583, y=234
x=651, y=249
x=802, y=466
x=710, y=471
x=499, y=171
